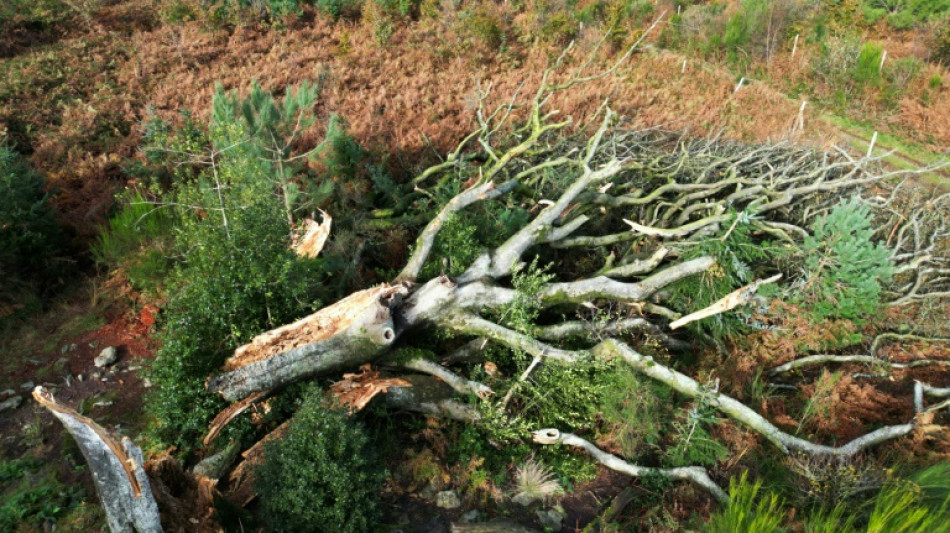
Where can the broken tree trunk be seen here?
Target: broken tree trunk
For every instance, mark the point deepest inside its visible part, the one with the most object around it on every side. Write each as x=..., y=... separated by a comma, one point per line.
x=344, y=335
x=117, y=470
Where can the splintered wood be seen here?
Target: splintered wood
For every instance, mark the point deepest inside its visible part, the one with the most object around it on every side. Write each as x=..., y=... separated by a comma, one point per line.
x=227, y=415
x=319, y=326
x=313, y=236
x=241, y=481
x=118, y=475
x=356, y=390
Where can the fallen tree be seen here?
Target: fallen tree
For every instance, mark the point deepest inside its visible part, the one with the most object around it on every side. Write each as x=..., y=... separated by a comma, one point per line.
x=625, y=216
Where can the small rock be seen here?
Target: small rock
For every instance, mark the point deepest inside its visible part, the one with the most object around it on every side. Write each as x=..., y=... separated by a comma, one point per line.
x=147, y=383
x=93, y=344
x=105, y=379
x=62, y=361
x=64, y=349
x=470, y=516
x=133, y=368
x=448, y=499
x=108, y=356
x=552, y=518
x=523, y=499
x=103, y=403
x=94, y=375
x=429, y=492
x=10, y=403
x=7, y=392
x=27, y=385
x=80, y=377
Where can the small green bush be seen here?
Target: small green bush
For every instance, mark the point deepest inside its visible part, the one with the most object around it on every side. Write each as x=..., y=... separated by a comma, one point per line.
x=748, y=511
x=903, y=14
x=31, y=499
x=31, y=240
x=844, y=267
x=236, y=275
x=941, y=45
x=322, y=475
x=338, y=9
x=867, y=71
x=137, y=238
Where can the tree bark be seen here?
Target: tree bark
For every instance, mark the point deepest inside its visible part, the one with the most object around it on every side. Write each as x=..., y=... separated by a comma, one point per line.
x=117, y=470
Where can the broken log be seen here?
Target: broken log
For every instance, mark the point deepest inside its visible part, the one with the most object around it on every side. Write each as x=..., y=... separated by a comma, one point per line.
x=117, y=470
x=344, y=335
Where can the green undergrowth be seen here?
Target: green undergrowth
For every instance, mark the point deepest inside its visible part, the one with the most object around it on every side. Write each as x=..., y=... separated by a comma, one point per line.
x=322, y=475
x=33, y=247
x=234, y=274
x=31, y=496
x=917, y=504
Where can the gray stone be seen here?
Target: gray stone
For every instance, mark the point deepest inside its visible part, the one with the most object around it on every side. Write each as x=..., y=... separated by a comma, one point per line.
x=147, y=383
x=108, y=356
x=470, y=516
x=523, y=499
x=429, y=492
x=80, y=377
x=7, y=392
x=10, y=403
x=448, y=499
x=27, y=386
x=552, y=518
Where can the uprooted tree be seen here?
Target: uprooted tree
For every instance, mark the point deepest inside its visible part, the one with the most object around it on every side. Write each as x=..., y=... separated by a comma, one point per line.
x=622, y=218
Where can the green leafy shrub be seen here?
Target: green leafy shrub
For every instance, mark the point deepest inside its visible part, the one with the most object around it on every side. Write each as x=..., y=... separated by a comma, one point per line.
x=138, y=239
x=844, y=268
x=14, y=13
x=901, y=506
x=834, y=63
x=691, y=442
x=236, y=274
x=322, y=475
x=338, y=9
x=941, y=45
x=903, y=14
x=31, y=240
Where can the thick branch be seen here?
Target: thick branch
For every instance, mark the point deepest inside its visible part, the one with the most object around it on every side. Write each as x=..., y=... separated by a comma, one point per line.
x=476, y=325
x=604, y=287
x=695, y=474
x=426, y=240
x=460, y=384
x=429, y=396
x=739, y=411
